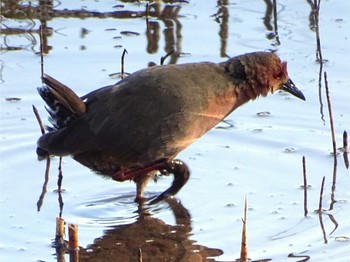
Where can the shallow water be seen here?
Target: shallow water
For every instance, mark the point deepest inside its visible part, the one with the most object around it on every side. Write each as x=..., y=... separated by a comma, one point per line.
x=258, y=154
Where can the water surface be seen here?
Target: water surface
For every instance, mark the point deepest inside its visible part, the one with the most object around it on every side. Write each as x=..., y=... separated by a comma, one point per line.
x=257, y=154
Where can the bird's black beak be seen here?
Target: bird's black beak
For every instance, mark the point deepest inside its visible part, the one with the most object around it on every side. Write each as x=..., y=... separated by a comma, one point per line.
x=291, y=88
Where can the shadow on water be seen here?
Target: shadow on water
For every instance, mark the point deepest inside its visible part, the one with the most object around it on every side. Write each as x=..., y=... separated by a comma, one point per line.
x=151, y=239
x=147, y=238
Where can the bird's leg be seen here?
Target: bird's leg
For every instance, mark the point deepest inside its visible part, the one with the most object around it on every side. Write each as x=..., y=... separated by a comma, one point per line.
x=135, y=172
x=141, y=183
x=142, y=175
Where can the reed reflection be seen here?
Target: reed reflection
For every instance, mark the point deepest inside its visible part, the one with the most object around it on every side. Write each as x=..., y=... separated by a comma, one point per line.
x=222, y=17
x=169, y=15
x=271, y=11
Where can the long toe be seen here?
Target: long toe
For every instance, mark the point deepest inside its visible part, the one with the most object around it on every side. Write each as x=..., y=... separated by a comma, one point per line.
x=181, y=174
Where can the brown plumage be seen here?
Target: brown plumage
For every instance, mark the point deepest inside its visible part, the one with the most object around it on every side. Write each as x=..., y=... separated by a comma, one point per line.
x=132, y=129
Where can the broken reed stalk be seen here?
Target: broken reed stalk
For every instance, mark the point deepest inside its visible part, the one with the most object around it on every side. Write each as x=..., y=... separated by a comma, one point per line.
x=244, y=244
x=59, y=238
x=332, y=219
x=345, y=149
x=73, y=236
x=73, y=243
x=305, y=188
x=123, y=56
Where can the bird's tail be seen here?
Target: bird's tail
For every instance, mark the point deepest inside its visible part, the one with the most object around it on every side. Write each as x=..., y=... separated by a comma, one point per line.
x=63, y=104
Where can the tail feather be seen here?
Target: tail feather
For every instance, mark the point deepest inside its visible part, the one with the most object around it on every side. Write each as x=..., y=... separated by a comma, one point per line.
x=63, y=105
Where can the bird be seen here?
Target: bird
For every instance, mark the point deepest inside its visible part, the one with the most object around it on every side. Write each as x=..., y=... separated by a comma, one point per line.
x=134, y=129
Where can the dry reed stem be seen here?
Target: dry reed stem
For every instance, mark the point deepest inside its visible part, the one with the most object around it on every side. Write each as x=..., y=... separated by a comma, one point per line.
x=123, y=56
x=305, y=187
x=59, y=243
x=59, y=238
x=73, y=256
x=321, y=196
x=345, y=141
x=244, y=245
x=320, y=212
x=322, y=228
x=73, y=243
x=334, y=180
x=330, y=118
x=38, y=118
x=73, y=237
x=345, y=149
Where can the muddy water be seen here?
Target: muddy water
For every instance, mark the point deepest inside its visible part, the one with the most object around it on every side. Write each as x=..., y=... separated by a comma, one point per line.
x=257, y=154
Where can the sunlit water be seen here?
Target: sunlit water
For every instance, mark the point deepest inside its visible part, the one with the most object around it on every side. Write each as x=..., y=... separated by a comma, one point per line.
x=258, y=157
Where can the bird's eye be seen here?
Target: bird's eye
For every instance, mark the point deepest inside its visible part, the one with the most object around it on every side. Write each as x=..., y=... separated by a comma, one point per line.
x=278, y=75
x=281, y=72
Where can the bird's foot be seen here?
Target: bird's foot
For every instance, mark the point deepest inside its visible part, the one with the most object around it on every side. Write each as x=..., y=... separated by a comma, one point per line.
x=181, y=175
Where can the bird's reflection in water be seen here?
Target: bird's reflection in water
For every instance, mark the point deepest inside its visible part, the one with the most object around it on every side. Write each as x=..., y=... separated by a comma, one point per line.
x=150, y=239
